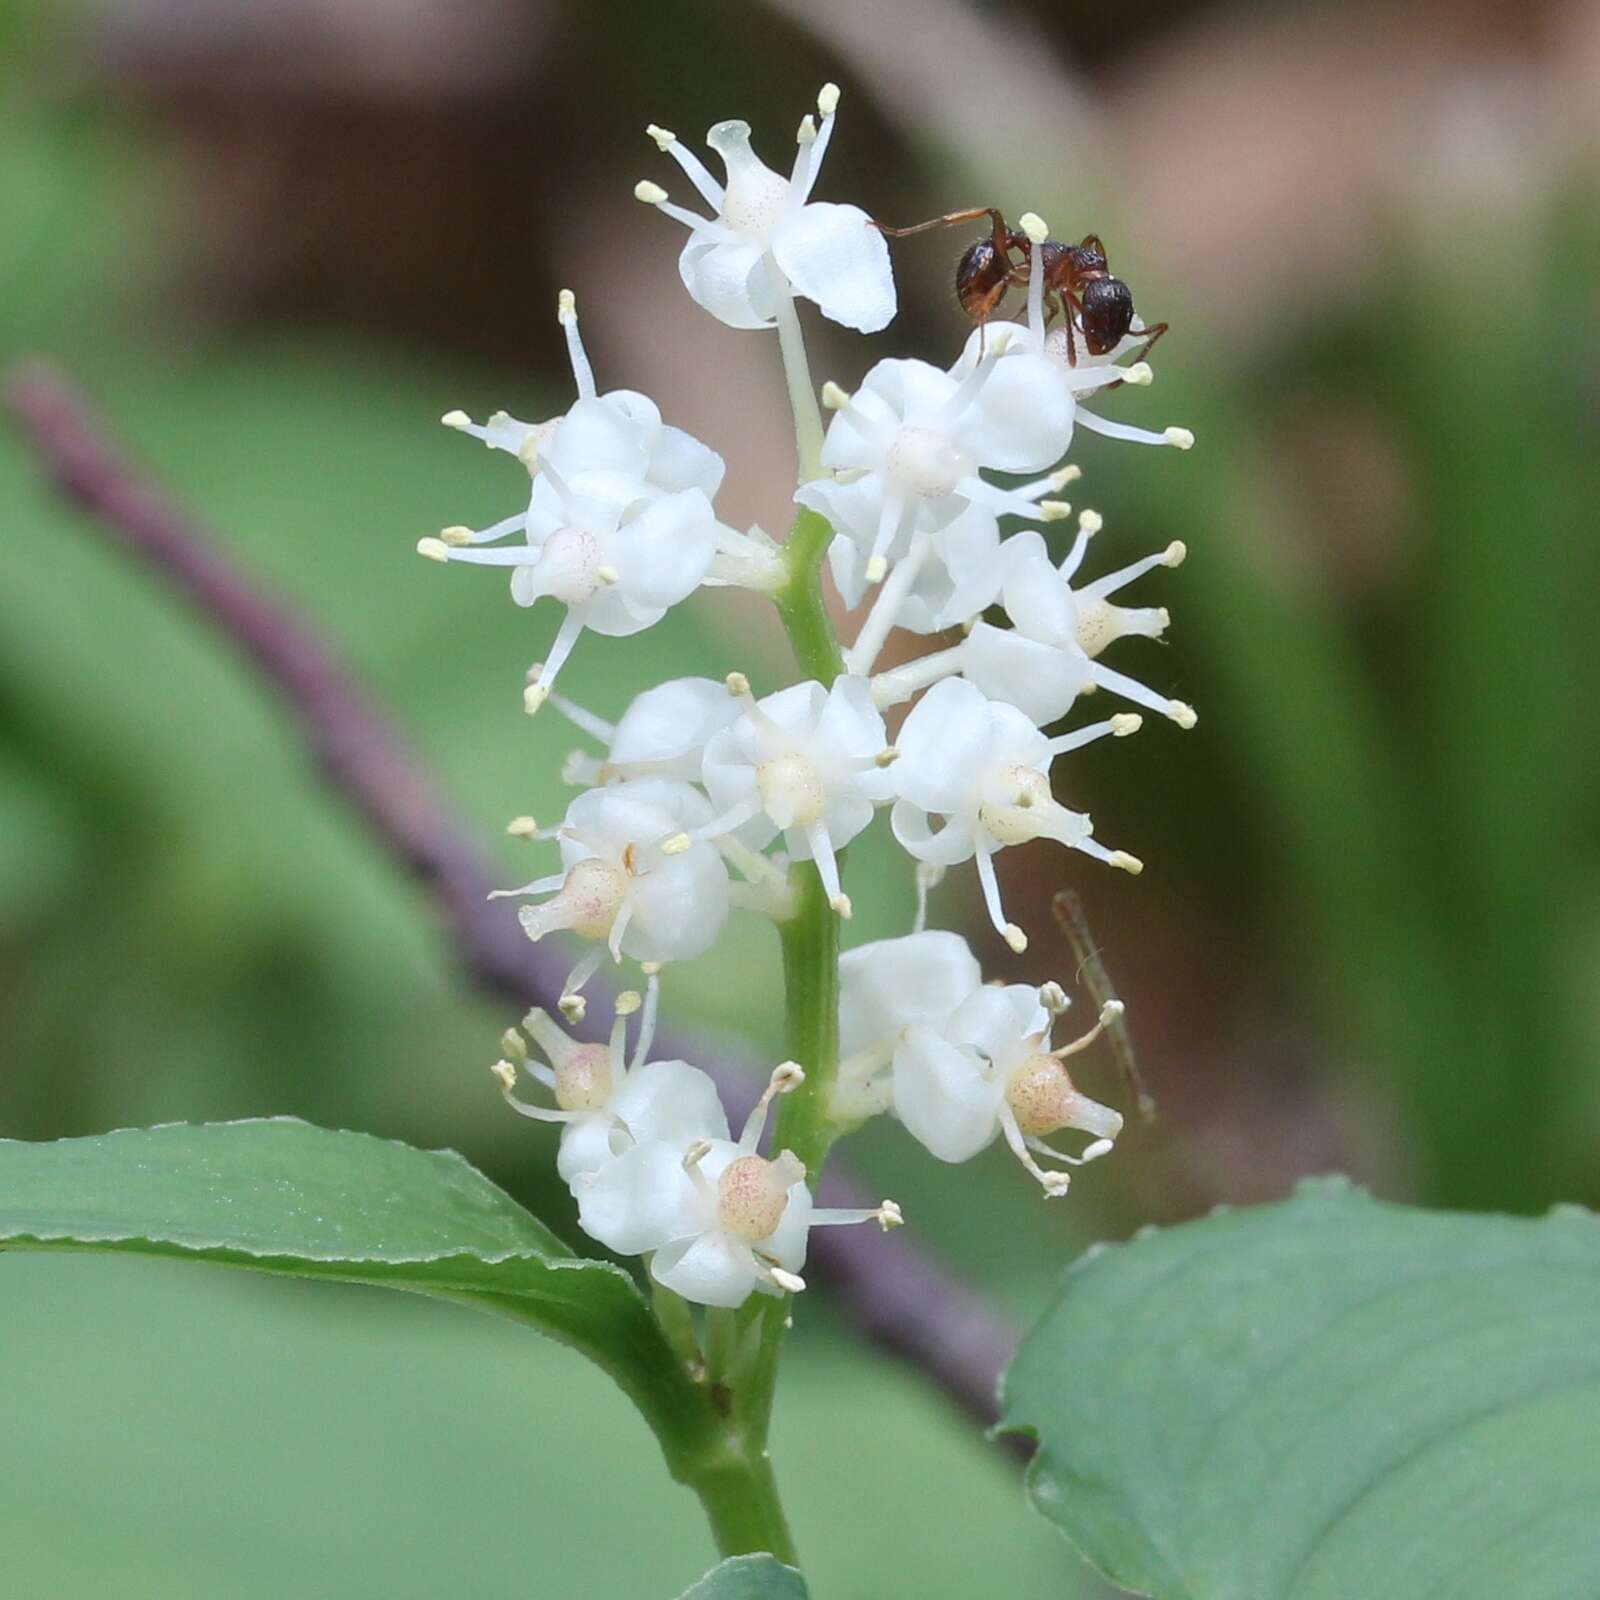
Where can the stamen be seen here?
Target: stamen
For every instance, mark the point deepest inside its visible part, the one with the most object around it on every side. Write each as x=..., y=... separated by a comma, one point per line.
x=834, y=398
x=886, y=1214
x=582, y=372
x=647, y=1020
x=1131, y=689
x=1181, y=437
x=900, y=683
x=596, y=727
x=1117, y=727
x=693, y=168
x=1172, y=556
x=566, y=637
x=1009, y=931
x=885, y=611
x=1053, y=1183
x=787, y=1075
x=1109, y=1013
x=548, y=885
x=507, y=1076
x=929, y=876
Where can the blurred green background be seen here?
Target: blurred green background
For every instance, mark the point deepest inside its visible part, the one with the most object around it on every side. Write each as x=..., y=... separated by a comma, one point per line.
x=276, y=243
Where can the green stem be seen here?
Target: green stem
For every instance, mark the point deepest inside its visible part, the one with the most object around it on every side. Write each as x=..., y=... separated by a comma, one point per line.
x=734, y=1478
x=740, y=1497
x=800, y=603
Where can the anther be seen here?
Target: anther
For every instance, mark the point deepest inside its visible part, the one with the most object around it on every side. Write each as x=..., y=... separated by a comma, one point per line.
x=533, y=697
x=651, y=193
x=834, y=397
x=886, y=757
x=1034, y=226
x=1174, y=554
x=1054, y=510
x=696, y=1153
x=787, y=1075
x=573, y=1007
x=1181, y=437
x=628, y=1002
x=890, y=1216
x=789, y=1282
x=828, y=99
x=676, y=845
x=433, y=549
x=456, y=535
x=1141, y=374
x=522, y=827
x=1053, y=998
x=1124, y=723
x=607, y=574
x=1184, y=716
x=662, y=136
x=1068, y=474
x=650, y=968
x=738, y=685
x=566, y=307
x=1090, y=522
x=806, y=133
x=506, y=1073
x=841, y=904
x=456, y=419
x=1016, y=938
x=876, y=568
x=1126, y=863
x=514, y=1045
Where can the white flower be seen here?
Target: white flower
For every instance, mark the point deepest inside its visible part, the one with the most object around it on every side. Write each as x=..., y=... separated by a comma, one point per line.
x=989, y=1069
x=608, y=1106
x=619, y=526
x=721, y=1220
x=984, y=767
x=1049, y=656
x=634, y=877
x=885, y=988
x=614, y=444
x=806, y=762
x=767, y=234
x=662, y=734
x=617, y=566
x=909, y=446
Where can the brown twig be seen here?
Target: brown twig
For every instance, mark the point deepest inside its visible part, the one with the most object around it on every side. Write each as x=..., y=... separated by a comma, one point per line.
x=899, y=1298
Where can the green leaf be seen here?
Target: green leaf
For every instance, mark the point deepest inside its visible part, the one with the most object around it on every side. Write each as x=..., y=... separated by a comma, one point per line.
x=1326, y=1398
x=749, y=1578
x=281, y=1196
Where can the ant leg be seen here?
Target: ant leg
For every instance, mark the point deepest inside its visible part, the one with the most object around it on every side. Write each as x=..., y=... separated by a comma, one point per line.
x=1071, y=305
x=951, y=219
x=1151, y=334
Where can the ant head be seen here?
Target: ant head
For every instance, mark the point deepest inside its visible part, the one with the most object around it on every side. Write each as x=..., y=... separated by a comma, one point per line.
x=1107, y=314
x=982, y=275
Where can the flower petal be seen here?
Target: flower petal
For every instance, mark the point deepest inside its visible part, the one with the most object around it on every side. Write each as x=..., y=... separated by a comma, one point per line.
x=832, y=254
x=709, y=1269
x=730, y=280
x=943, y=1097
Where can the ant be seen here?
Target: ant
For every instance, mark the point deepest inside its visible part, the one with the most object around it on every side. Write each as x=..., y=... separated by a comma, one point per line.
x=1075, y=275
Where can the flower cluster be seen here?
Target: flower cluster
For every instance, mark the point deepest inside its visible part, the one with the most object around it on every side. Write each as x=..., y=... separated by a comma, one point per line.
x=705, y=800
